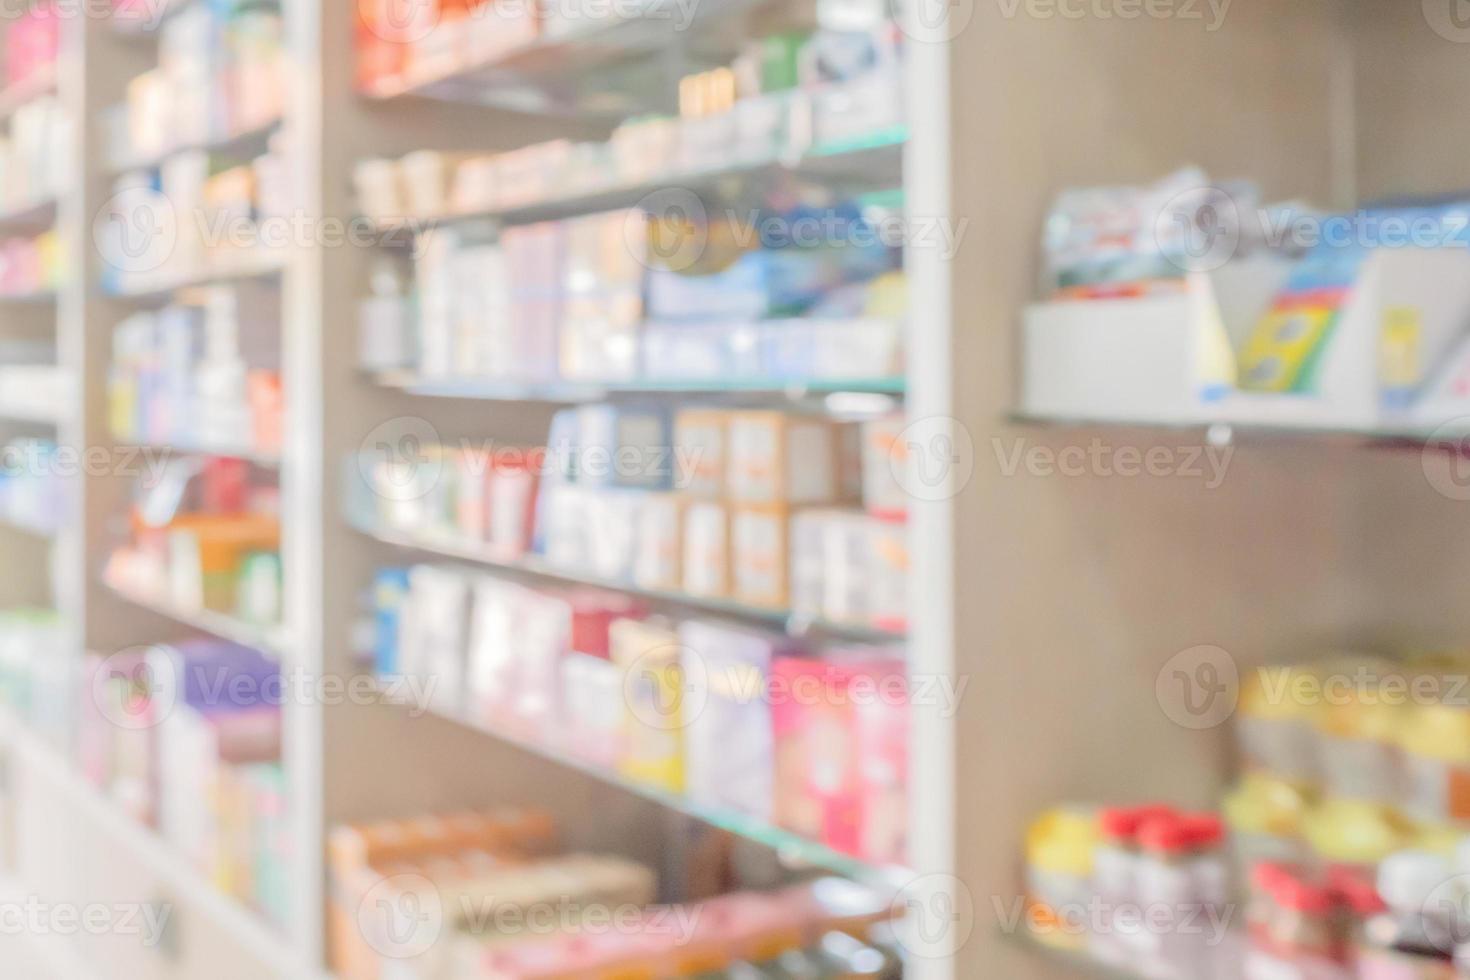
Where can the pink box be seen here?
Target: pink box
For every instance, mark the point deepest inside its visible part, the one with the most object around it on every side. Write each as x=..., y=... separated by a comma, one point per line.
x=32, y=43
x=841, y=728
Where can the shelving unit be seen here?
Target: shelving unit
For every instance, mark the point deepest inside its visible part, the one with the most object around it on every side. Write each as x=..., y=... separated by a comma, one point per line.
x=73, y=843
x=533, y=566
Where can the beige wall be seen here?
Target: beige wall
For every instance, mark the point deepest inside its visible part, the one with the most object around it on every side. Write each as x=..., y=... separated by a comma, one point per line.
x=1072, y=593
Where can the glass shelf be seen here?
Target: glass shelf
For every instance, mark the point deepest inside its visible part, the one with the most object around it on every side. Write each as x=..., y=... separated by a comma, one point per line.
x=782, y=619
x=39, y=297
x=246, y=143
x=33, y=216
x=269, y=640
x=1229, y=959
x=574, y=393
x=35, y=414
x=260, y=266
x=793, y=849
x=254, y=457
x=874, y=161
x=28, y=529
x=1451, y=434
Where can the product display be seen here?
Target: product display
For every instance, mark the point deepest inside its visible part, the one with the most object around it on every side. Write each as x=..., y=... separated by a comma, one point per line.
x=33, y=676
x=34, y=154
x=504, y=865
x=204, y=768
x=812, y=738
x=31, y=266
x=221, y=71
x=596, y=298
x=201, y=375
x=195, y=215
x=1346, y=837
x=654, y=605
x=720, y=504
x=205, y=537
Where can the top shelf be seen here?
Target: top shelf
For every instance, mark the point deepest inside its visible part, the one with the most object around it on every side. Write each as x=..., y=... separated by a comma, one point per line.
x=541, y=75
x=876, y=160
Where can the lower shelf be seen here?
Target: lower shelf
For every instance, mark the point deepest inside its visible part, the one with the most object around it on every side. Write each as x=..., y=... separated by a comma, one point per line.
x=794, y=850
x=265, y=943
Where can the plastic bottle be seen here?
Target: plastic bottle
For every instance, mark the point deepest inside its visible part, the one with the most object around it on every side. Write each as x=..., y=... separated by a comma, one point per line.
x=1208, y=865
x=1060, y=846
x=384, y=341
x=1274, y=728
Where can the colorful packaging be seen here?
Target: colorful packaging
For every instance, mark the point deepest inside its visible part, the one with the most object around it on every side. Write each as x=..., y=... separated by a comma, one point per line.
x=654, y=691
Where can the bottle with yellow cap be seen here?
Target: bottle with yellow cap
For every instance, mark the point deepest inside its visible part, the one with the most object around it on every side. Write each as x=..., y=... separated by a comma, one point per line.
x=1059, y=856
x=1436, y=744
x=1355, y=833
x=1273, y=727
x=1358, y=725
x=1265, y=816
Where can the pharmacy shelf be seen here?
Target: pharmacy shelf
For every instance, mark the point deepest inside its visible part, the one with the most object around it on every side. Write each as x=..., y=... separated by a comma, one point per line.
x=30, y=530
x=1449, y=435
x=35, y=414
x=874, y=161
x=541, y=76
x=1229, y=960
x=794, y=850
x=255, y=457
x=264, y=265
x=30, y=216
x=269, y=640
x=39, y=84
x=194, y=890
x=575, y=393
x=40, y=297
x=534, y=566
x=244, y=143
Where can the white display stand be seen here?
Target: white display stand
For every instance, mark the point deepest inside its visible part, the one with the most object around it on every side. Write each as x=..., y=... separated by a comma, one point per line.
x=1143, y=360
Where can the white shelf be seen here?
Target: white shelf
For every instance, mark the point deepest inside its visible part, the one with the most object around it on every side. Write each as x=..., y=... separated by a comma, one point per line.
x=267, y=639
x=32, y=413
x=794, y=850
x=255, y=457
x=251, y=141
x=195, y=891
x=875, y=161
x=258, y=265
x=534, y=565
